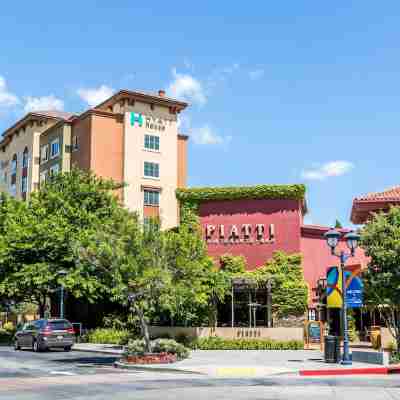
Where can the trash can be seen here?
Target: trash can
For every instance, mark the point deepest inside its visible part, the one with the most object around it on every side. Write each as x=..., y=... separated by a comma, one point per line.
x=332, y=349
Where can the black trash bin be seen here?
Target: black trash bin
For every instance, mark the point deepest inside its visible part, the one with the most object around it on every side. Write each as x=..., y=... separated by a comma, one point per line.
x=332, y=349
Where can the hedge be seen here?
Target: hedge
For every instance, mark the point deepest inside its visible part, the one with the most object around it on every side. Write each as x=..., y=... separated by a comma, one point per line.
x=5, y=337
x=108, y=336
x=290, y=192
x=217, y=343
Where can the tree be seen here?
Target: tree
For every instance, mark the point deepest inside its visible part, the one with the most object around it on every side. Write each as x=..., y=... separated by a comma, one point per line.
x=37, y=238
x=380, y=239
x=289, y=289
x=152, y=271
x=338, y=225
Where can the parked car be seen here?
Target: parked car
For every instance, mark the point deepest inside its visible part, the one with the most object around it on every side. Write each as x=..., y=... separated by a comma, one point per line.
x=43, y=334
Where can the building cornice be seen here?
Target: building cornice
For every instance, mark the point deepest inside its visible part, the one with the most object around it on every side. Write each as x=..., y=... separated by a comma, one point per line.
x=144, y=97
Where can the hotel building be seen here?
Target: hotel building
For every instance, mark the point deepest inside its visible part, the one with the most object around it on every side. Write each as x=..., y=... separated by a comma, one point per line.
x=131, y=137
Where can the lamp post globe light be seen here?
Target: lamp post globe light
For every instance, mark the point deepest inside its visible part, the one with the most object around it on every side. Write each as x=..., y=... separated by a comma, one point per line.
x=332, y=239
x=62, y=274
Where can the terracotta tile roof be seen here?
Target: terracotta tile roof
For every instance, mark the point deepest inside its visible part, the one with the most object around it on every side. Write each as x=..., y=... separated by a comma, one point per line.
x=55, y=114
x=392, y=194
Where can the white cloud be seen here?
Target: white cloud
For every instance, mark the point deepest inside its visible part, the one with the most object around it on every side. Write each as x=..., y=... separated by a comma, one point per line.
x=95, y=96
x=7, y=99
x=256, y=74
x=184, y=123
x=332, y=168
x=219, y=74
x=206, y=135
x=44, y=103
x=186, y=87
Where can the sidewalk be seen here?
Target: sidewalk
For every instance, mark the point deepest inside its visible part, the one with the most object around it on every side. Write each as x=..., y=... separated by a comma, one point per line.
x=248, y=363
x=112, y=349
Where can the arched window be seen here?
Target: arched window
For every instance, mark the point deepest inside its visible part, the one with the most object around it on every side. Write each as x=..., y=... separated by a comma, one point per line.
x=25, y=158
x=14, y=164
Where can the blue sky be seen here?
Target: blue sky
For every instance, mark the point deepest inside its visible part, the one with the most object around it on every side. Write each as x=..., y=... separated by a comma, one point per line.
x=281, y=92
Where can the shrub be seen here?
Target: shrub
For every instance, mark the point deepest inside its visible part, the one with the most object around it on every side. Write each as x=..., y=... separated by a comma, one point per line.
x=137, y=347
x=218, y=343
x=394, y=357
x=108, y=336
x=9, y=327
x=184, y=339
x=164, y=335
x=5, y=336
x=392, y=346
x=170, y=346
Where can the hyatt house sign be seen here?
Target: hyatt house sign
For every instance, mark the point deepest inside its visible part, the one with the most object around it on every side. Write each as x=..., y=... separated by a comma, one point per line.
x=240, y=233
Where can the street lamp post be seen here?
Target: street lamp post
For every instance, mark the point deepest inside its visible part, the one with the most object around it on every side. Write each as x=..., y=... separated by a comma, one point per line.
x=62, y=273
x=332, y=238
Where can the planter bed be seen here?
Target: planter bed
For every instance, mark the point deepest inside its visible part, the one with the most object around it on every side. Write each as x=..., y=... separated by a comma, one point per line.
x=150, y=358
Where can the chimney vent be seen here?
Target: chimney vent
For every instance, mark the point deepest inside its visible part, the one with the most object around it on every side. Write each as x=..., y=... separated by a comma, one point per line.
x=161, y=93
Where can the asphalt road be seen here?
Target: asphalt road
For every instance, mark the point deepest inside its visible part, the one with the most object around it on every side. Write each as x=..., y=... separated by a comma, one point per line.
x=76, y=375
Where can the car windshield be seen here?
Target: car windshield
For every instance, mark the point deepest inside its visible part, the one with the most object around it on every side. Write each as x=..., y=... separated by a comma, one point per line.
x=59, y=325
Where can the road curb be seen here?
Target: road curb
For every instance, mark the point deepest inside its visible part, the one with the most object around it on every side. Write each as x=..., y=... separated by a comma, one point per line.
x=141, y=367
x=99, y=351
x=351, y=371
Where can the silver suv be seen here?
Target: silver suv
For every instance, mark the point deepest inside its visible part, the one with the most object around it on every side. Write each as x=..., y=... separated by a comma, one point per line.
x=43, y=334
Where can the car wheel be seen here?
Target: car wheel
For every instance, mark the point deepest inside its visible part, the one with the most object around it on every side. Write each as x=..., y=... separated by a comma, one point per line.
x=36, y=347
x=68, y=348
x=16, y=345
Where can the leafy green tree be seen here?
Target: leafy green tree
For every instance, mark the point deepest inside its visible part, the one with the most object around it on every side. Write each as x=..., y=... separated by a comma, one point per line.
x=37, y=238
x=289, y=289
x=338, y=225
x=154, y=271
x=380, y=239
x=233, y=264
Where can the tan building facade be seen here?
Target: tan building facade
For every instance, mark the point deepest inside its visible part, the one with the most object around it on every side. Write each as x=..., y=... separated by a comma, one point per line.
x=19, y=152
x=132, y=137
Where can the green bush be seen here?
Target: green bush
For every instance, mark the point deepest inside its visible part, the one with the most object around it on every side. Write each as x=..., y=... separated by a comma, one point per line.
x=5, y=336
x=108, y=336
x=184, y=339
x=9, y=327
x=394, y=357
x=217, y=343
x=170, y=346
x=136, y=347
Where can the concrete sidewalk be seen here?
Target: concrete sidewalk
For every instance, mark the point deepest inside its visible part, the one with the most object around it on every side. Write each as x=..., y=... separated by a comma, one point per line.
x=111, y=349
x=239, y=363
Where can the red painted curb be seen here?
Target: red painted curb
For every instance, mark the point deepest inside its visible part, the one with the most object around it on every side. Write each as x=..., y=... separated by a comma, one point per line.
x=395, y=369
x=349, y=371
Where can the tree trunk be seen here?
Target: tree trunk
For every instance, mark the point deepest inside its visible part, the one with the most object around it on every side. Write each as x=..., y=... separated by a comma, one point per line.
x=42, y=309
x=144, y=328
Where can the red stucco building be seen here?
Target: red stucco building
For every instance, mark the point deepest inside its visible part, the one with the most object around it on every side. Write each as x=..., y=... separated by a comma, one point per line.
x=257, y=227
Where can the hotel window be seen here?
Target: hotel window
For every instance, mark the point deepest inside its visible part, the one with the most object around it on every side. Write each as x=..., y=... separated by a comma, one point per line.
x=54, y=169
x=42, y=178
x=44, y=153
x=25, y=158
x=55, y=148
x=13, y=190
x=151, y=169
x=152, y=142
x=74, y=143
x=14, y=164
x=24, y=184
x=151, y=198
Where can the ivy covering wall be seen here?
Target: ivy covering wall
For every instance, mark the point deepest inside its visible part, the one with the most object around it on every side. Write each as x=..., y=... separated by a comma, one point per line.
x=196, y=195
x=190, y=199
x=284, y=271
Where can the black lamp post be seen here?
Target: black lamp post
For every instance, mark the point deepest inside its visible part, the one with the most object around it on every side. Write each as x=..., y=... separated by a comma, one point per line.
x=62, y=273
x=332, y=238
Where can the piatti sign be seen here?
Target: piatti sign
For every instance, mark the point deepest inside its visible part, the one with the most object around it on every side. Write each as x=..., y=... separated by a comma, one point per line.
x=238, y=234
